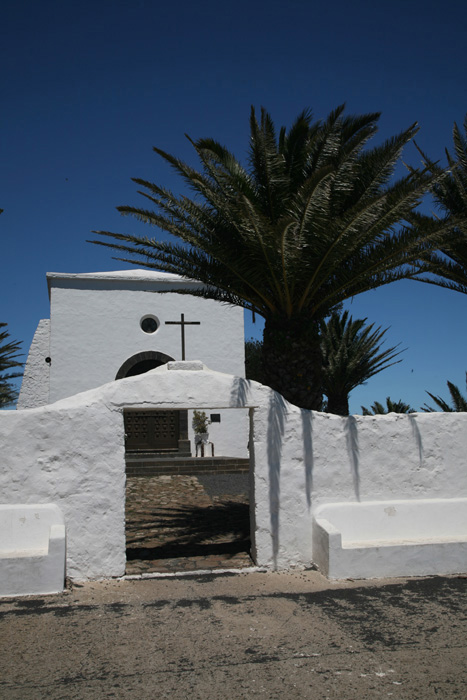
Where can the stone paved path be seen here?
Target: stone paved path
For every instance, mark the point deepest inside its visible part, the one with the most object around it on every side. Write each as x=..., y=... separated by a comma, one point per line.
x=173, y=524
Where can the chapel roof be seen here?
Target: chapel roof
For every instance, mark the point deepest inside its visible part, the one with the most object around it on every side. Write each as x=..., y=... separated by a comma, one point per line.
x=125, y=277
x=134, y=273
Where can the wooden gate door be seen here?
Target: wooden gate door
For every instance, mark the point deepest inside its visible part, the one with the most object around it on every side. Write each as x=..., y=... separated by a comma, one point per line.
x=152, y=431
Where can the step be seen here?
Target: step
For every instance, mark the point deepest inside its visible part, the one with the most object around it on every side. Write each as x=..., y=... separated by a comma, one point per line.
x=155, y=466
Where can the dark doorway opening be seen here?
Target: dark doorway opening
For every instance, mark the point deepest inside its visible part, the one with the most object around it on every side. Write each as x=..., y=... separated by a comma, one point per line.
x=188, y=514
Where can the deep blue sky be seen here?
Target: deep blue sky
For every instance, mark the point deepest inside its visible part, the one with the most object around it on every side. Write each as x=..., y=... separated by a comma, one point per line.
x=89, y=87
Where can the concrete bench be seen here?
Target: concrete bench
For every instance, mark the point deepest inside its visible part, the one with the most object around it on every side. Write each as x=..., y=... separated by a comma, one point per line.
x=376, y=539
x=32, y=549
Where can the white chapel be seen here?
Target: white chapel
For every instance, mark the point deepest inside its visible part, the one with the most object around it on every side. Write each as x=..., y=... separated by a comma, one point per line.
x=106, y=326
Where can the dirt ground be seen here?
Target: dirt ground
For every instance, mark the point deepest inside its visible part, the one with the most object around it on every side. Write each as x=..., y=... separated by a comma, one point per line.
x=271, y=635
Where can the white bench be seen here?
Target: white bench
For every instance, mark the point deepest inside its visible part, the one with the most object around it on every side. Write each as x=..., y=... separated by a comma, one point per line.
x=376, y=539
x=32, y=549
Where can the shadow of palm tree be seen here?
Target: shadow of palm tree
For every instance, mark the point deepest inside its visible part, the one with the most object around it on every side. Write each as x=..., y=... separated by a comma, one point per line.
x=222, y=528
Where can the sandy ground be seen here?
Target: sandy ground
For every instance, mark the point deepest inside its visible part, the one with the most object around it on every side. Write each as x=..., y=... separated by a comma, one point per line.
x=271, y=635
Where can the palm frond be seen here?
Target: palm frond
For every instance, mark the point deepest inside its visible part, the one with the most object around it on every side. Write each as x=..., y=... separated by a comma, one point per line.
x=9, y=359
x=377, y=409
x=448, y=267
x=352, y=352
x=458, y=401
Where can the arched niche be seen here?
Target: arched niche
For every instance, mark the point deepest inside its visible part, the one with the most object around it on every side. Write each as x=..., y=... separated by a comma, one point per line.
x=142, y=362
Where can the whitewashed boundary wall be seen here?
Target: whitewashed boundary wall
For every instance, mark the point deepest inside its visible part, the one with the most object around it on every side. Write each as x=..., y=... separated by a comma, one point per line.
x=72, y=453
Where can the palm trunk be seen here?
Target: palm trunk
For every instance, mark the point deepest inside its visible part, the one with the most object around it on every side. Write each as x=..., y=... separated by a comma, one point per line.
x=338, y=404
x=292, y=360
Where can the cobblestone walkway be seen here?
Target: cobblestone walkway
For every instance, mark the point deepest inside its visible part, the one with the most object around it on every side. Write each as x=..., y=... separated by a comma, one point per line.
x=173, y=524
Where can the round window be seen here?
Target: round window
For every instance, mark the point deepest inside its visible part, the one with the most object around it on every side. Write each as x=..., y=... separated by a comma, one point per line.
x=149, y=324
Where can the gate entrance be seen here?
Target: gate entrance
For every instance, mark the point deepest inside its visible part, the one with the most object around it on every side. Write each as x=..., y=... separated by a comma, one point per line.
x=186, y=513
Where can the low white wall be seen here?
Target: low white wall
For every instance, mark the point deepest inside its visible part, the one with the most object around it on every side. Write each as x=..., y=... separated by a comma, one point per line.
x=375, y=539
x=32, y=549
x=304, y=459
x=377, y=522
x=72, y=453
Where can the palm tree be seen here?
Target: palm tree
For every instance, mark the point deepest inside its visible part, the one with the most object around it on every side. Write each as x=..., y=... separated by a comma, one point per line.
x=8, y=360
x=314, y=220
x=254, y=360
x=391, y=407
x=351, y=355
x=450, y=195
x=458, y=401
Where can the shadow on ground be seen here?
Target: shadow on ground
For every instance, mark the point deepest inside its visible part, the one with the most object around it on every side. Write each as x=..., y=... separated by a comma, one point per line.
x=186, y=523
x=193, y=531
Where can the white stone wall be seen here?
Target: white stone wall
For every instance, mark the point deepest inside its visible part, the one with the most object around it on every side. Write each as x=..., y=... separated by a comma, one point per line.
x=72, y=453
x=35, y=385
x=314, y=458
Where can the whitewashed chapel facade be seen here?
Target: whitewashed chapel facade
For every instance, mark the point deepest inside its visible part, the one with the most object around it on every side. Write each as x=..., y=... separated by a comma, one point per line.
x=107, y=326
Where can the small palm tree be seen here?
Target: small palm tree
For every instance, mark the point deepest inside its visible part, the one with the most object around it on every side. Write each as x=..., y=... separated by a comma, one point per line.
x=378, y=409
x=9, y=353
x=315, y=219
x=351, y=355
x=458, y=401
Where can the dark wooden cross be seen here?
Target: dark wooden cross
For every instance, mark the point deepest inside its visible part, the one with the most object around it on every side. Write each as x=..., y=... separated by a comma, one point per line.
x=183, y=323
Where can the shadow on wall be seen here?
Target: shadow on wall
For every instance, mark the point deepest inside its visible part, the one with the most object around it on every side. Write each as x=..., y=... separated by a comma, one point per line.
x=277, y=417
x=351, y=438
x=239, y=393
x=276, y=420
x=307, y=430
x=417, y=435
x=353, y=450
